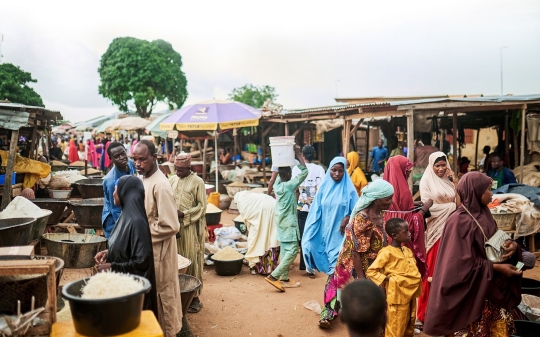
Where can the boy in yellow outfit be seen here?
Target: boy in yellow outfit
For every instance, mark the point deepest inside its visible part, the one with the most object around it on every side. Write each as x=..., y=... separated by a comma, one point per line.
x=396, y=265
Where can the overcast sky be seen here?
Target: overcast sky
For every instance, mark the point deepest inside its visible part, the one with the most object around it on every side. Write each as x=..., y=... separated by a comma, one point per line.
x=310, y=51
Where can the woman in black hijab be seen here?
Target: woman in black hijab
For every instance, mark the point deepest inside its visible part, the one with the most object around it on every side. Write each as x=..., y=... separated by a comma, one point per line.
x=130, y=244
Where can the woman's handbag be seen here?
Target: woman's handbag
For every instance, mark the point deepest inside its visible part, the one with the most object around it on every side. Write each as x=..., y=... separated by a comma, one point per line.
x=493, y=246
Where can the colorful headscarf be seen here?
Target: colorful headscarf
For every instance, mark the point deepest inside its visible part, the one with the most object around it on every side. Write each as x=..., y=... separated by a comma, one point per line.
x=378, y=189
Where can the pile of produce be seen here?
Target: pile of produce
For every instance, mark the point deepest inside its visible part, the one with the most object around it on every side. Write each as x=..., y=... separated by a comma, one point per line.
x=21, y=207
x=227, y=254
x=110, y=285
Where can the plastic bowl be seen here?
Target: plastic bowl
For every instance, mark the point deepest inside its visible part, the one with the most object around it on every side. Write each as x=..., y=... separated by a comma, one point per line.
x=105, y=317
x=228, y=268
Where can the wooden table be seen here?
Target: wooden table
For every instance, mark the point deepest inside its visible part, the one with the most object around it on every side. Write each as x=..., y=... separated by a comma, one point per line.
x=149, y=327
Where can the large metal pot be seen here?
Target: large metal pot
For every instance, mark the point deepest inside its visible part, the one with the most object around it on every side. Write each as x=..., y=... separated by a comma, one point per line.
x=16, y=231
x=90, y=188
x=56, y=206
x=77, y=250
x=39, y=226
x=88, y=212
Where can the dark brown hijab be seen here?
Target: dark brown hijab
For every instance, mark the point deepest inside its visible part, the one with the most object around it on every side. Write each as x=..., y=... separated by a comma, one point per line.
x=464, y=278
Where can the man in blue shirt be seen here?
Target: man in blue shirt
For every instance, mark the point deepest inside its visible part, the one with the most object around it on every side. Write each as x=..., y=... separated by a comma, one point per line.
x=122, y=166
x=379, y=155
x=501, y=175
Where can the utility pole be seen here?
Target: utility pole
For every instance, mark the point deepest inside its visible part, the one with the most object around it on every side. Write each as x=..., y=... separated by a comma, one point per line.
x=501, y=50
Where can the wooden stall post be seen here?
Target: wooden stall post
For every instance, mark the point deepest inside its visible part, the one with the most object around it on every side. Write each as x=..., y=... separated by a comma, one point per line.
x=33, y=148
x=476, y=149
x=286, y=129
x=367, y=148
x=410, y=142
x=522, y=150
x=506, y=135
x=346, y=136
x=455, y=143
x=263, y=149
x=6, y=197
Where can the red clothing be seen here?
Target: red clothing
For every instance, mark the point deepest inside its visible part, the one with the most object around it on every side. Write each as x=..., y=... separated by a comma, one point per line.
x=395, y=173
x=426, y=286
x=73, y=152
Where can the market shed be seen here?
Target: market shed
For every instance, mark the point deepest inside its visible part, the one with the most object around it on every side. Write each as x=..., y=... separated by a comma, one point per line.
x=450, y=113
x=31, y=123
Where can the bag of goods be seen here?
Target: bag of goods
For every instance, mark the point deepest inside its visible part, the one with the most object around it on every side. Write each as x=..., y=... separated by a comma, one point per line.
x=59, y=182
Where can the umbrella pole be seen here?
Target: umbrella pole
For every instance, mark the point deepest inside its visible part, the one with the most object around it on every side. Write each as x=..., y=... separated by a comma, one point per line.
x=216, y=159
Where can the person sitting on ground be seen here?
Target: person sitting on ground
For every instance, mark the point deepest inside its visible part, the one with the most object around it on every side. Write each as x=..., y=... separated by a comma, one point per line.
x=363, y=309
x=395, y=266
x=287, y=219
x=501, y=175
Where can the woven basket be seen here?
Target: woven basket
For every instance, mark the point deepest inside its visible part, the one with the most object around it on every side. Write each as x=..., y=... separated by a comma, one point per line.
x=506, y=221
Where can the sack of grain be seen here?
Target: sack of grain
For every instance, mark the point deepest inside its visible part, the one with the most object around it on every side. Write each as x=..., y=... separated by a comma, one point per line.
x=59, y=182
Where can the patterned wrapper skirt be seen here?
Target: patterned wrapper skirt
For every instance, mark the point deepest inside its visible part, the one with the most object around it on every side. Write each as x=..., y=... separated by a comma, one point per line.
x=268, y=262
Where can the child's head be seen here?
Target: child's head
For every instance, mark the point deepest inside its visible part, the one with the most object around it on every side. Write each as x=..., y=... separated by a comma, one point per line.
x=363, y=308
x=398, y=230
x=285, y=173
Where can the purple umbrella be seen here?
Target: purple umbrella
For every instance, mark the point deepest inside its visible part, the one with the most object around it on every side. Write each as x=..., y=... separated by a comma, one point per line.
x=209, y=115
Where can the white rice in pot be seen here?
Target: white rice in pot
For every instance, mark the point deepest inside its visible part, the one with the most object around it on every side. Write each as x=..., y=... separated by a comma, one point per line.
x=110, y=285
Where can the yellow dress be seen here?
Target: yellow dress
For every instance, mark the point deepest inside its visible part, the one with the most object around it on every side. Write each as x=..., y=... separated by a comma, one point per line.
x=403, y=287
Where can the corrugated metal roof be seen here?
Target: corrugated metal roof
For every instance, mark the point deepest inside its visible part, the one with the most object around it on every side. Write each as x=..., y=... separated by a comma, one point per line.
x=487, y=99
x=343, y=107
x=17, y=106
x=331, y=108
x=13, y=120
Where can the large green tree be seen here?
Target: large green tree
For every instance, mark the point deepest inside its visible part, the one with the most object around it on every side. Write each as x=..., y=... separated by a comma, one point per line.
x=138, y=73
x=252, y=95
x=14, y=86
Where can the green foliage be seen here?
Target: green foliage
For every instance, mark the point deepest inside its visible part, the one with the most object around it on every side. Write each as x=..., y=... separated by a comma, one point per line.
x=14, y=87
x=252, y=95
x=141, y=73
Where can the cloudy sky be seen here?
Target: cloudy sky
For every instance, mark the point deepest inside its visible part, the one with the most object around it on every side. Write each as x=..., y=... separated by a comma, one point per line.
x=310, y=51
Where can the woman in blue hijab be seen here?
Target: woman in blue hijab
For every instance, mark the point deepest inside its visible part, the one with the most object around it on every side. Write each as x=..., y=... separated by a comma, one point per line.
x=330, y=211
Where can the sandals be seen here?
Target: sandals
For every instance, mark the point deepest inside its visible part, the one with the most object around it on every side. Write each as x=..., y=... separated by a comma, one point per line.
x=325, y=324
x=275, y=283
x=310, y=275
x=195, y=307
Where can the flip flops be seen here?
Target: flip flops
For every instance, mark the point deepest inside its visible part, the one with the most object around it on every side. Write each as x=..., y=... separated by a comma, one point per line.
x=195, y=307
x=275, y=283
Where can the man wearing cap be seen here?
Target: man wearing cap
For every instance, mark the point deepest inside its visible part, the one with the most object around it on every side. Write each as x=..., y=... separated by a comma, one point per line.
x=190, y=196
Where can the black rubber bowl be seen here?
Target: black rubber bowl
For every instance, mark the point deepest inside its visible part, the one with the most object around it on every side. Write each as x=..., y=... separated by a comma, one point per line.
x=105, y=317
x=527, y=328
x=227, y=268
x=530, y=286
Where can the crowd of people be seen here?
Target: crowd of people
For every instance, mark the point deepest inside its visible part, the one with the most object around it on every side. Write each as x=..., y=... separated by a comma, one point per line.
x=423, y=257
x=426, y=256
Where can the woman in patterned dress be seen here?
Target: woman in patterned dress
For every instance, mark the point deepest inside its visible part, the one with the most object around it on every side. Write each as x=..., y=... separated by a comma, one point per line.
x=364, y=237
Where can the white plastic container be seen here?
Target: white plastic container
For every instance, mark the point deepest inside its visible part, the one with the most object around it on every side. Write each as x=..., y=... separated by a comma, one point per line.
x=60, y=194
x=282, y=151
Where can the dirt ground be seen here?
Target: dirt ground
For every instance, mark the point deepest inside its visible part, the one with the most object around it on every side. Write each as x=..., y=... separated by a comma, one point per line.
x=246, y=305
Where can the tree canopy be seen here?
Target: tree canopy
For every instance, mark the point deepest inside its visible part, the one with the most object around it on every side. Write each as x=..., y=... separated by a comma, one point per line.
x=138, y=73
x=252, y=95
x=14, y=86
